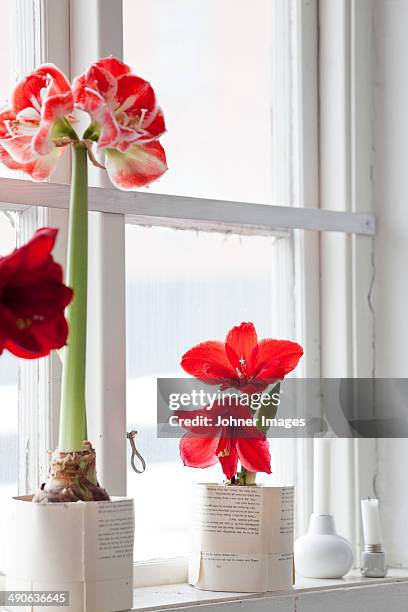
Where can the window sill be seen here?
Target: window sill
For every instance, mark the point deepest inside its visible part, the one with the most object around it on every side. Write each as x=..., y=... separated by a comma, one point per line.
x=352, y=593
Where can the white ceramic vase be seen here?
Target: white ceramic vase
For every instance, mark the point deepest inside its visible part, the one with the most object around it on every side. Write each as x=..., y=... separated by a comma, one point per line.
x=321, y=553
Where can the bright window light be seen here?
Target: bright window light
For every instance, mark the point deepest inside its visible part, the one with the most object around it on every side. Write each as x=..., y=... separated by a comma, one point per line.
x=8, y=393
x=7, y=73
x=210, y=62
x=184, y=287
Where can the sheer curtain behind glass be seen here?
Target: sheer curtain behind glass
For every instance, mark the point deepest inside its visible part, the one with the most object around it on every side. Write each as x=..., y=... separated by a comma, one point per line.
x=184, y=287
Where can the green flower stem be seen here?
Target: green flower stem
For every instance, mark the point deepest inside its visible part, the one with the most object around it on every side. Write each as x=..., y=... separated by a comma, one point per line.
x=246, y=478
x=73, y=410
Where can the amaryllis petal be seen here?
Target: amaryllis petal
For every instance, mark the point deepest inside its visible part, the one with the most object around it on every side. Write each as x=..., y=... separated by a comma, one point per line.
x=154, y=123
x=85, y=97
x=54, y=78
x=139, y=166
x=43, y=298
x=198, y=452
x=28, y=92
x=19, y=148
x=33, y=341
x=276, y=358
x=208, y=360
x=242, y=361
x=41, y=168
x=254, y=454
x=206, y=420
x=93, y=103
x=41, y=144
x=251, y=366
x=113, y=66
x=241, y=340
x=232, y=442
x=55, y=107
x=258, y=384
x=39, y=103
x=134, y=94
x=33, y=255
x=126, y=122
x=8, y=161
x=100, y=80
x=109, y=130
x=7, y=115
x=33, y=299
x=228, y=457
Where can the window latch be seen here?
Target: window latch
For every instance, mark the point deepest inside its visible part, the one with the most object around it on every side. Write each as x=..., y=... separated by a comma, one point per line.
x=131, y=436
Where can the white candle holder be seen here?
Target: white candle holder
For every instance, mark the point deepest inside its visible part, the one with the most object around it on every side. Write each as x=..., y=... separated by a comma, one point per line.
x=322, y=553
x=373, y=562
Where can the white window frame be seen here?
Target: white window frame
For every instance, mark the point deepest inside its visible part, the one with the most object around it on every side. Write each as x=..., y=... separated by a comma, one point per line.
x=75, y=34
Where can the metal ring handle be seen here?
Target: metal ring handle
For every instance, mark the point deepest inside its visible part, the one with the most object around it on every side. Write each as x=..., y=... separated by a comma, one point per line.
x=131, y=436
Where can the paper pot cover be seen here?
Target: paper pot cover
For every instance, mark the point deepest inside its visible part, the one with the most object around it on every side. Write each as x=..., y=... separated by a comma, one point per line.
x=242, y=538
x=84, y=548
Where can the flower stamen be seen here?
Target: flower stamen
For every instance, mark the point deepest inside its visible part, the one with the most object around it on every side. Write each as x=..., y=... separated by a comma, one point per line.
x=23, y=324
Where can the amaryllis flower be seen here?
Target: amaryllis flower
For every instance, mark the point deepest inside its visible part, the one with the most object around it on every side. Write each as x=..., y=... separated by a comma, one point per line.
x=207, y=442
x=32, y=299
x=37, y=120
x=126, y=122
x=242, y=361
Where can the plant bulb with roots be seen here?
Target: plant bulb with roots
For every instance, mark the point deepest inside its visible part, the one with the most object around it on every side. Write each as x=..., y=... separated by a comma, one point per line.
x=72, y=478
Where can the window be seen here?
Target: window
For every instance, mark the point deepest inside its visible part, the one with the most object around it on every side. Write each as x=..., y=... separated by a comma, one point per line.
x=6, y=50
x=218, y=56
x=237, y=139
x=173, y=302
x=8, y=388
x=242, y=132
x=7, y=53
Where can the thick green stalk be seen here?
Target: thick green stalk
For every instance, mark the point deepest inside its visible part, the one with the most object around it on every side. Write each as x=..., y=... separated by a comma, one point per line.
x=73, y=411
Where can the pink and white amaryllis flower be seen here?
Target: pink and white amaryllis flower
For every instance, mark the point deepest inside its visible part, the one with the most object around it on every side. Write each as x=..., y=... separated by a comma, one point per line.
x=36, y=127
x=126, y=122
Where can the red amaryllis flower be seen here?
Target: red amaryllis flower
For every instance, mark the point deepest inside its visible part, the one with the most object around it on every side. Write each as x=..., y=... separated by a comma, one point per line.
x=126, y=122
x=208, y=442
x=32, y=299
x=38, y=117
x=242, y=361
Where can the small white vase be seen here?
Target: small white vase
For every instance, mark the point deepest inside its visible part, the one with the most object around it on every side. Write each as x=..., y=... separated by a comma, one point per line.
x=321, y=553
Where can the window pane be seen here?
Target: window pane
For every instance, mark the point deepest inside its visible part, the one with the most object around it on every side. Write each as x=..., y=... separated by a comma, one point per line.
x=218, y=70
x=8, y=394
x=6, y=50
x=184, y=287
x=7, y=63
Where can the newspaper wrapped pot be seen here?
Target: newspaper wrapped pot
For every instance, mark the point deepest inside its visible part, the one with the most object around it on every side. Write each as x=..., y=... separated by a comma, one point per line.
x=242, y=538
x=85, y=548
